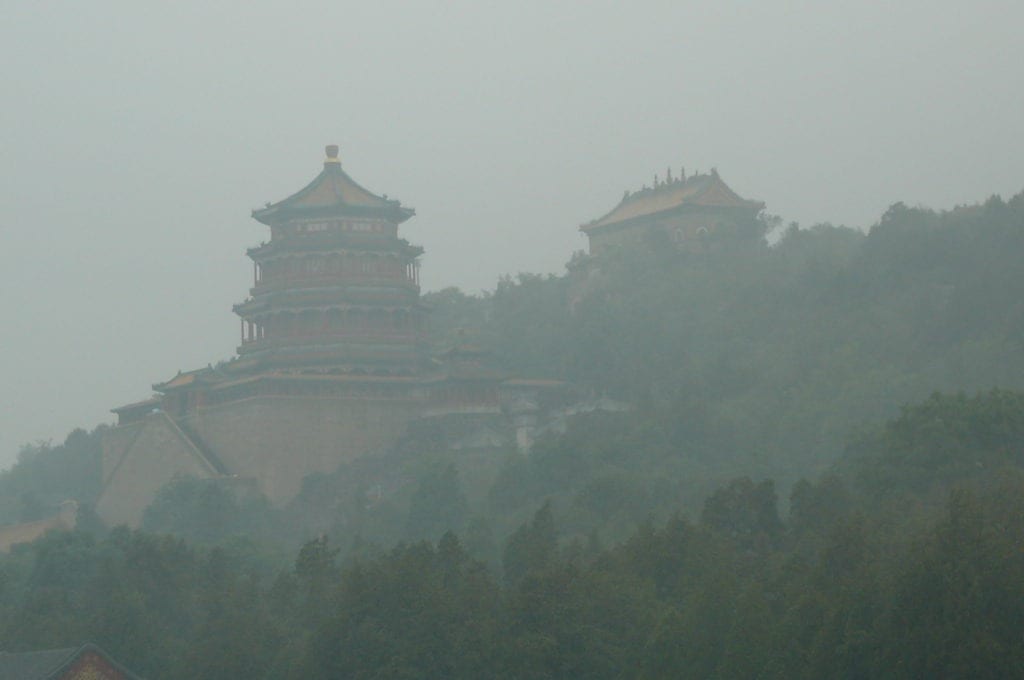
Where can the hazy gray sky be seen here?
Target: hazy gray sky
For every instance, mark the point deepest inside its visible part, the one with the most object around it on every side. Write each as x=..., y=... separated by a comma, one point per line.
x=137, y=136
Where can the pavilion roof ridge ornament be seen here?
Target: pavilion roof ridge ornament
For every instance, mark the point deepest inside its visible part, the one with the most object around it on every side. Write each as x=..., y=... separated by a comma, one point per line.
x=331, y=151
x=656, y=186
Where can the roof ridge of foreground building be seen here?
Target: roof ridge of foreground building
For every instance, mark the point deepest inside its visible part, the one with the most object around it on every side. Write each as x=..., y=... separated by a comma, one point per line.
x=88, y=660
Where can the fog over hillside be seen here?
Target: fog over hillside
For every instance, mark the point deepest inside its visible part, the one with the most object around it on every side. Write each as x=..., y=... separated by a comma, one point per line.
x=137, y=138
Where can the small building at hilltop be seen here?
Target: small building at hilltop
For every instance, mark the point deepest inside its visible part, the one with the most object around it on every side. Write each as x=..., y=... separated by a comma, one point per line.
x=680, y=209
x=332, y=364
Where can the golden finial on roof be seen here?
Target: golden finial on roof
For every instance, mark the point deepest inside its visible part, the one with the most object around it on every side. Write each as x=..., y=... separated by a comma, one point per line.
x=332, y=154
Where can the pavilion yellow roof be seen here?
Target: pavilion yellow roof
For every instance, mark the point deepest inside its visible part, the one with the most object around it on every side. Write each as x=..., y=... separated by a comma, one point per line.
x=707, y=191
x=332, y=191
x=180, y=380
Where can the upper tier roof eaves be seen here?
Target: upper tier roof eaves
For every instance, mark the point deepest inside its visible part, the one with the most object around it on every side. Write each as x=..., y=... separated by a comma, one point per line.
x=333, y=192
x=327, y=241
x=708, y=191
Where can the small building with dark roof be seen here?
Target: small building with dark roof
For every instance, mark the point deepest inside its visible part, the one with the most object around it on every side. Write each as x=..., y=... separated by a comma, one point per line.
x=87, y=662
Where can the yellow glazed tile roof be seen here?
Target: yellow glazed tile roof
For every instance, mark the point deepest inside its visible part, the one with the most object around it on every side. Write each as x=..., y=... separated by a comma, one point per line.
x=698, y=190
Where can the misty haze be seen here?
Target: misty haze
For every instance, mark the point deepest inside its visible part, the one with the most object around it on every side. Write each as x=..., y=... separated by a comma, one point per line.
x=390, y=340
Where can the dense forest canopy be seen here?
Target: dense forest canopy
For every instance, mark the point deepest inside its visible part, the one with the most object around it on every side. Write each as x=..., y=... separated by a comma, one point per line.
x=875, y=572
x=820, y=475
x=787, y=349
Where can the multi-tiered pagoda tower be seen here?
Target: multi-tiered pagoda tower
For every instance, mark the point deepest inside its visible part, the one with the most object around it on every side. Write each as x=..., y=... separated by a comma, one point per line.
x=331, y=367
x=336, y=290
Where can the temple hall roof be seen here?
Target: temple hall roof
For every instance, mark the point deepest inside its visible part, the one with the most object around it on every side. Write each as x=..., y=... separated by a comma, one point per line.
x=705, y=191
x=86, y=661
x=186, y=379
x=41, y=664
x=332, y=192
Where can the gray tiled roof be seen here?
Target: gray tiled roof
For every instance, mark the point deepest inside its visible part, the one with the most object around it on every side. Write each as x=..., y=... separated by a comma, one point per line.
x=52, y=663
x=34, y=665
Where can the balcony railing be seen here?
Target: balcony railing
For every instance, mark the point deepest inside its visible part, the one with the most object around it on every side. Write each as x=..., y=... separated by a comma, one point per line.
x=328, y=338
x=300, y=281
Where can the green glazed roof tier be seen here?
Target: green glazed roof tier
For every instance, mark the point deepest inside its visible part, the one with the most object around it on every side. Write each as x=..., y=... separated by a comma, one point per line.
x=333, y=193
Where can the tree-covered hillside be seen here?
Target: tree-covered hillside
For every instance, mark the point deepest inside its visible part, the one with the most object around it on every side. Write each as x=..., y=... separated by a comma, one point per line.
x=740, y=358
x=773, y=356
x=47, y=474
x=902, y=562
x=821, y=476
